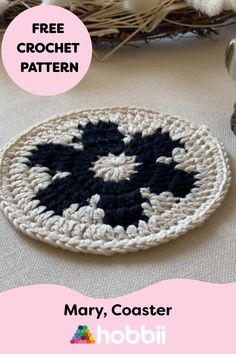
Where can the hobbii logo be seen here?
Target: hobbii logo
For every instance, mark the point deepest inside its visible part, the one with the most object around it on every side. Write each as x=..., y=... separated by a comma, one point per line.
x=132, y=336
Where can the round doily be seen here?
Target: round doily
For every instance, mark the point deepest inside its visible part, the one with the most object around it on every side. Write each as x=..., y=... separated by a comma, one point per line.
x=112, y=180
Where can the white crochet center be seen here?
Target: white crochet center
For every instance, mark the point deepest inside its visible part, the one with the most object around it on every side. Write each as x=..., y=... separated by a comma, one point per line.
x=114, y=168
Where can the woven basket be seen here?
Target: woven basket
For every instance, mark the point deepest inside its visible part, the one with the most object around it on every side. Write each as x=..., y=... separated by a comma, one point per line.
x=112, y=24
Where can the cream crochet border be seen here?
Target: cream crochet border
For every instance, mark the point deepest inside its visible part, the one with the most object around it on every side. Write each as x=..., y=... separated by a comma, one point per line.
x=109, y=247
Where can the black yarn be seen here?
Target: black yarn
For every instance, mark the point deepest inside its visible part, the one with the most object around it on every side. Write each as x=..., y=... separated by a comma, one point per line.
x=121, y=201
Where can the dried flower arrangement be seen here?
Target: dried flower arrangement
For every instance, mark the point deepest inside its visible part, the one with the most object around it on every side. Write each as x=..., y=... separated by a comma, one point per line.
x=118, y=22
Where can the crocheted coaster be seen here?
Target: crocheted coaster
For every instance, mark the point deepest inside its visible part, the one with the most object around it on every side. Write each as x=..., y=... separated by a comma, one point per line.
x=112, y=180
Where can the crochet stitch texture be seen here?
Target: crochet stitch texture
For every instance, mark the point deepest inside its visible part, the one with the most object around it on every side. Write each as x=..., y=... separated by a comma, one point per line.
x=112, y=180
x=120, y=199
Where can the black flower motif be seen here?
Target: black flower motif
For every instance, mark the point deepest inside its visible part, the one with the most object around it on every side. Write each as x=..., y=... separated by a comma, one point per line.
x=121, y=200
